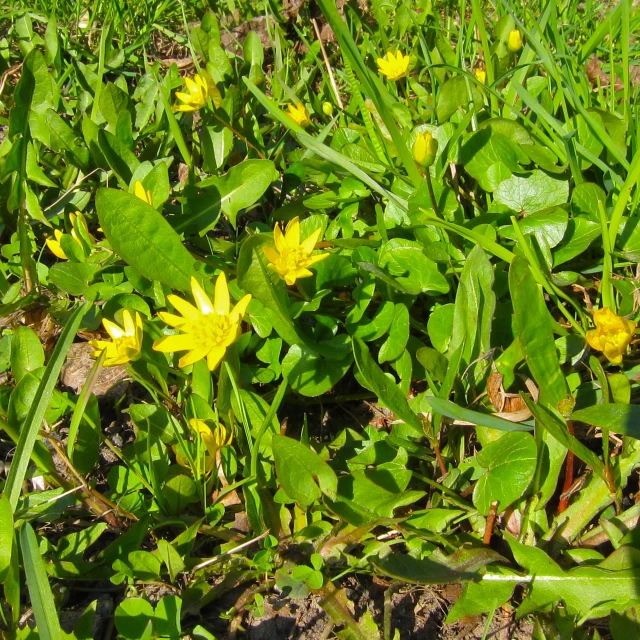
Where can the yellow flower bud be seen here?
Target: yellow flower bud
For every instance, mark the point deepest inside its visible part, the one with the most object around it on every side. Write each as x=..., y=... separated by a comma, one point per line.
x=327, y=109
x=514, y=43
x=480, y=75
x=612, y=334
x=425, y=148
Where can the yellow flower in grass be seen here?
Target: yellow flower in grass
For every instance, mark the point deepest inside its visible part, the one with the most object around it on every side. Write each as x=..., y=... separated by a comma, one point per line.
x=207, y=329
x=142, y=193
x=299, y=114
x=291, y=258
x=612, y=334
x=54, y=245
x=394, y=67
x=514, y=42
x=480, y=75
x=126, y=341
x=213, y=440
x=196, y=95
x=425, y=148
x=77, y=221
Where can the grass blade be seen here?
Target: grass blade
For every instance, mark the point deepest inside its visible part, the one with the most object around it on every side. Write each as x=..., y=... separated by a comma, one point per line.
x=31, y=426
x=44, y=608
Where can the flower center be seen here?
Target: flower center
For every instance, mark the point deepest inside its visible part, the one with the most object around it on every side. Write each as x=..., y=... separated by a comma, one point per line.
x=211, y=330
x=294, y=259
x=126, y=346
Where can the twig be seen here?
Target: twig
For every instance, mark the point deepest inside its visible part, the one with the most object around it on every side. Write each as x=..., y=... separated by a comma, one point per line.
x=332, y=79
x=491, y=518
x=568, y=476
x=226, y=554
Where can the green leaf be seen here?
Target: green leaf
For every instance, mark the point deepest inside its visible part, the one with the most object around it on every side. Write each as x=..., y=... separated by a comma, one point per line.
x=310, y=374
x=407, y=262
x=385, y=388
x=362, y=500
x=6, y=537
x=171, y=558
x=393, y=347
x=510, y=463
x=560, y=432
x=531, y=193
x=490, y=158
x=480, y=597
x=454, y=94
x=535, y=331
x=73, y=278
x=452, y=410
x=144, y=239
x=619, y=418
x=167, y=617
x=132, y=617
x=33, y=422
x=589, y=592
x=463, y=565
x=579, y=235
x=243, y=186
x=44, y=607
x=27, y=353
x=304, y=475
x=475, y=306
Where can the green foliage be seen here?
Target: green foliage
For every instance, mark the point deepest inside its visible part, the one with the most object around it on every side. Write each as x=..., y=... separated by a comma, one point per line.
x=312, y=356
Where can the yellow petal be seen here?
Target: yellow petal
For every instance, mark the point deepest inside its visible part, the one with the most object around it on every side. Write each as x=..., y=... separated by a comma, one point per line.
x=171, y=319
x=113, y=329
x=184, y=107
x=290, y=277
x=303, y=273
x=56, y=249
x=191, y=85
x=310, y=243
x=272, y=255
x=240, y=309
x=185, y=308
x=191, y=357
x=214, y=356
x=221, y=302
x=129, y=325
x=317, y=258
x=278, y=239
x=170, y=344
x=292, y=233
x=202, y=299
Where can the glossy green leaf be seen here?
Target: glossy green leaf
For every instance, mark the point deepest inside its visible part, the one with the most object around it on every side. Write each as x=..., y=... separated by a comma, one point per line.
x=531, y=193
x=510, y=463
x=384, y=387
x=144, y=239
x=6, y=537
x=304, y=475
x=619, y=418
x=27, y=353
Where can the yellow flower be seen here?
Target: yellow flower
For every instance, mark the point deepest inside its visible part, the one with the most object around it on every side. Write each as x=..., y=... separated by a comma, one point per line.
x=213, y=440
x=54, y=245
x=207, y=329
x=425, y=148
x=394, y=67
x=196, y=96
x=291, y=258
x=612, y=334
x=299, y=114
x=481, y=75
x=514, y=43
x=126, y=342
x=140, y=192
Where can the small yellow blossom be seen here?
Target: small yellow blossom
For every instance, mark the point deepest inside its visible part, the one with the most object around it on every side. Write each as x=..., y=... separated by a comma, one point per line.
x=142, y=193
x=299, y=114
x=196, y=96
x=213, y=440
x=54, y=245
x=207, y=329
x=612, y=334
x=394, y=67
x=514, y=43
x=77, y=220
x=291, y=258
x=126, y=341
x=480, y=75
x=425, y=148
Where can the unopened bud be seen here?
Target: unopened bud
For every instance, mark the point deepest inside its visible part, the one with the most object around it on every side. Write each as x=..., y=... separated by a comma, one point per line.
x=327, y=109
x=514, y=43
x=424, y=149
